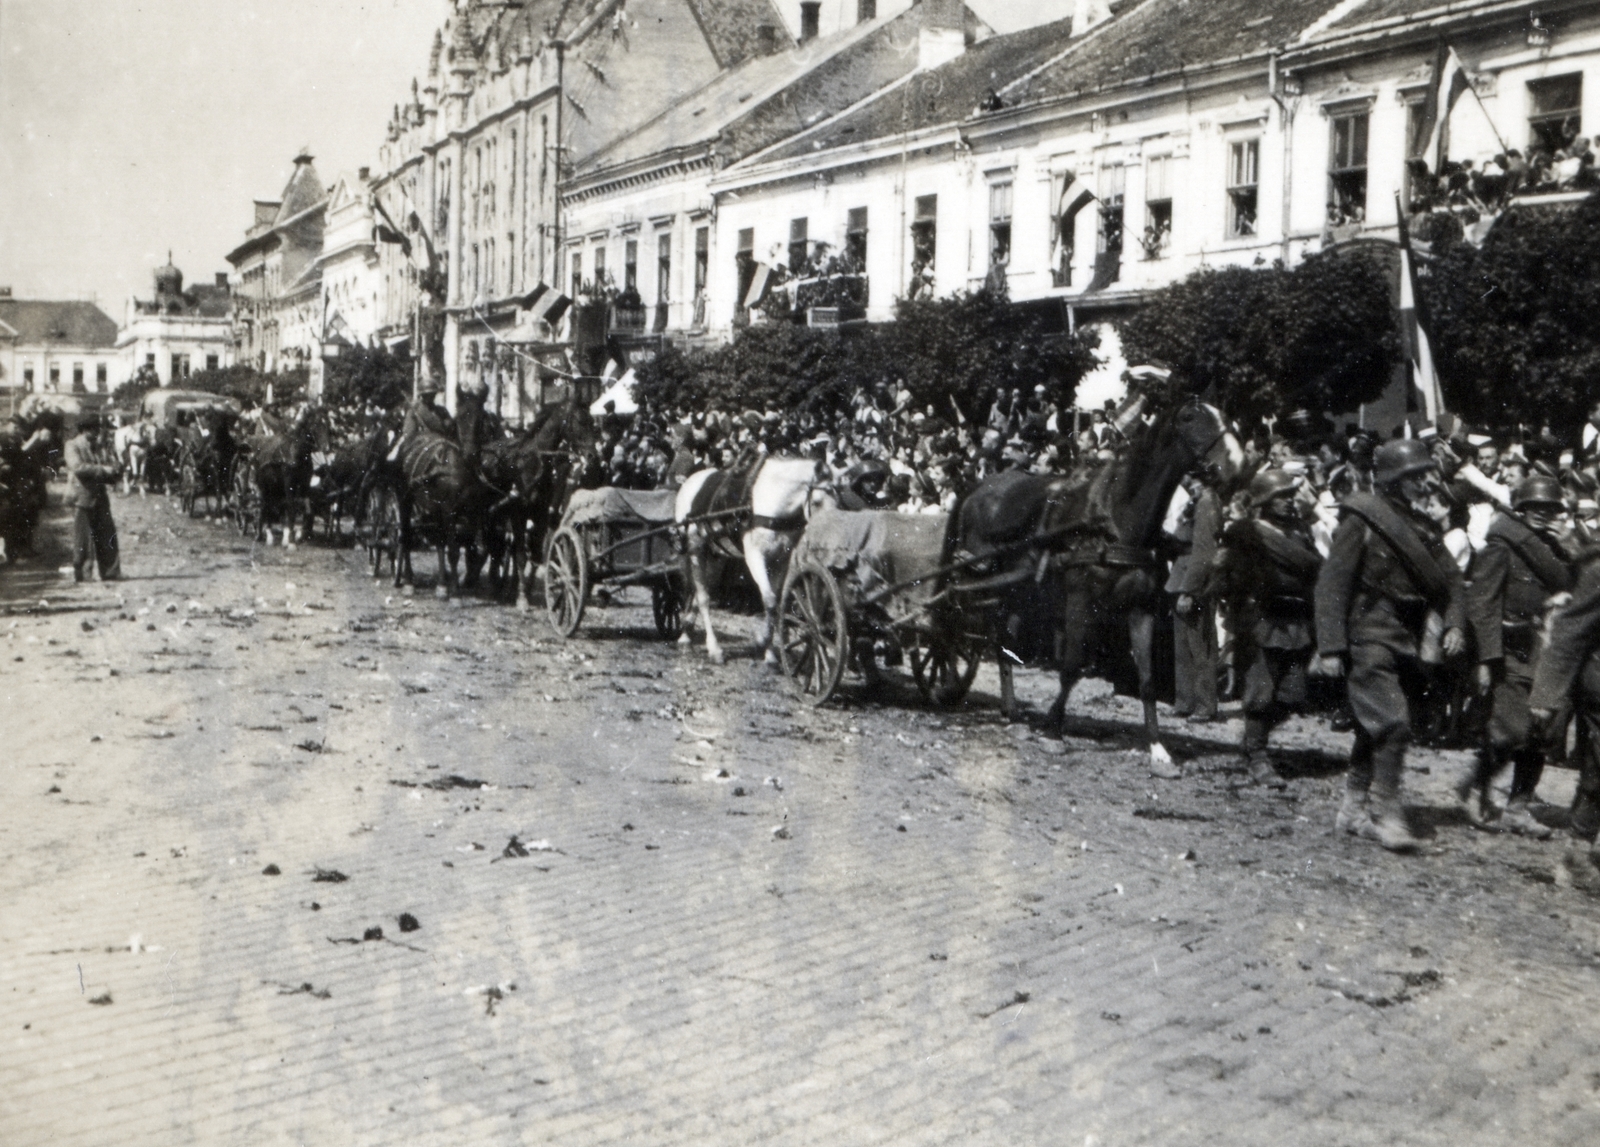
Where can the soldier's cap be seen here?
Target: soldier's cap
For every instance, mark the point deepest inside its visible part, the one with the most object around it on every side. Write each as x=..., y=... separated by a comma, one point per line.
x=1399, y=458
x=1539, y=490
x=1268, y=484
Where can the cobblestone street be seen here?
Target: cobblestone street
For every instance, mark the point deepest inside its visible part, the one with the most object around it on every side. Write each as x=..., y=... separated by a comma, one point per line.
x=291, y=858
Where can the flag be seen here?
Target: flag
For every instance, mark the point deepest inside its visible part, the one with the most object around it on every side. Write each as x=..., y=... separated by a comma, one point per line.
x=758, y=285
x=1448, y=84
x=531, y=299
x=1071, y=201
x=550, y=306
x=388, y=232
x=1414, y=329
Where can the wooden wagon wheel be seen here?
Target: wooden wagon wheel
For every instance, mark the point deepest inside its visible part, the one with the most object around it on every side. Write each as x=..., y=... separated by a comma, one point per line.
x=188, y=485
x=379, y=525
x=945, y=663
x=242, y=494
x=813, y=631
x=566, y=581
x=666, y=604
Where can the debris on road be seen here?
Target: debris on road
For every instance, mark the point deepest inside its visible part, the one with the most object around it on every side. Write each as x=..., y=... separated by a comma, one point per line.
x=329, y=876
x=408, y=922
x=272, y=870
x=101, y=1000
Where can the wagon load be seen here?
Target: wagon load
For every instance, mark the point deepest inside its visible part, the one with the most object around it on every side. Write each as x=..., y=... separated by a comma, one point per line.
x=615, y=538
x=872, y=550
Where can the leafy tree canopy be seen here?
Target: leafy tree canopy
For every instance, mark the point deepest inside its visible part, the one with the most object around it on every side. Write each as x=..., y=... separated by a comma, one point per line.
x=1264, y=341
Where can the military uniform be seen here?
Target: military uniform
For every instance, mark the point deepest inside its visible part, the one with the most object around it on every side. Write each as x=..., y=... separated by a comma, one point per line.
x=425, y=414
x=1195, y=634
x=1387, y=567
x=1568, y=673
x=90, y=470
x=1272, y=572
x=1513, y=578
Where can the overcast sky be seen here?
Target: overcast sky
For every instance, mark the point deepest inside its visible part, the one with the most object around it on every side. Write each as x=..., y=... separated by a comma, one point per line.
x=128, y=127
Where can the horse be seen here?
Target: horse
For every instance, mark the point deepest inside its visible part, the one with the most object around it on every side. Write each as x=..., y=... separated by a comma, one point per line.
x=283, y=471
x=439, y=489
x=756, y=511
x=1083, y=549
x=133, y=441
x=529, y=474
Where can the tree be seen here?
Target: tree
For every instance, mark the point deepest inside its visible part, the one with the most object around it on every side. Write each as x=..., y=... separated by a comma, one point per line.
x=129, y=393
x=1263, y=341
x=249, y=385
x=958, y=348
x=1516, y=322
x=363, y=377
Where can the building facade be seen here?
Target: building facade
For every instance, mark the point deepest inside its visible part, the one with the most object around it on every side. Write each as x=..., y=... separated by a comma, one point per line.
x=275, y=279
x=178, y=331
x=49, y=347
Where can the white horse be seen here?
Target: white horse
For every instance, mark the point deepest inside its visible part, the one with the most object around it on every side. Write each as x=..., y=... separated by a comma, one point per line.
x=132, y=443
x=756, y=513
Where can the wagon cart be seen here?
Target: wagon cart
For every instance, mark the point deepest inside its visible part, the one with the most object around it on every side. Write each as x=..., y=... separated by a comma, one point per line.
x=867, y=589
x=206, y=465
x=615, y=538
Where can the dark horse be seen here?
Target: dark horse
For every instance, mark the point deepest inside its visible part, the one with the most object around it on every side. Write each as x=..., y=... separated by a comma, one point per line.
x=282, y=468
x=528, y=476
x=441, y=499
x=1081, y=552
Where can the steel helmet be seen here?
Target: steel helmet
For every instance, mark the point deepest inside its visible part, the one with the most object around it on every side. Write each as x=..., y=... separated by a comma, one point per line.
x=1268, y=484
x=1539, y=490
x=1400, y=457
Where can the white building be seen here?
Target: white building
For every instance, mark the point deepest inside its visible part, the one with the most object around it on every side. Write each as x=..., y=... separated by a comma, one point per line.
x=276, y=291
x=348, y=267
x=49, y=347
x=178, y=332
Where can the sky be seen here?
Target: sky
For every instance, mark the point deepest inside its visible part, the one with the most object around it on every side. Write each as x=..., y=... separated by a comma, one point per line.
x=132, y=127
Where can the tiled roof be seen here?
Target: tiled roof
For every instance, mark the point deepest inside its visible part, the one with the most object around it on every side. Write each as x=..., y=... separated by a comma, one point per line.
x=733, y=27
x=303, y=191
x=766, y=99
x=75, y=324
x=1375, y=10
x=943, y=95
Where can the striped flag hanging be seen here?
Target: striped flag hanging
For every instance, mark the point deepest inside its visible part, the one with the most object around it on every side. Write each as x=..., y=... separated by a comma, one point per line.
x=758, y=285
x=1449, y=83
x=1414, y=330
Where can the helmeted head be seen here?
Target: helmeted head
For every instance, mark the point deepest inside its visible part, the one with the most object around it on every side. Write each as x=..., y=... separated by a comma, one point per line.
x=1268, y=484
x=1539, y=492
x=1401, y=458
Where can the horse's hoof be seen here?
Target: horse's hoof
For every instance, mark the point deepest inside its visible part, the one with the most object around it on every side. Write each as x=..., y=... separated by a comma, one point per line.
x=716, y=657
x=441, y=593
x=683, y=640
x=771, y=659
x=1162, y=765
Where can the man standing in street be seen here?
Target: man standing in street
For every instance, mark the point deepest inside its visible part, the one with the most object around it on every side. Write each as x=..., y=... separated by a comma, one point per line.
x=1520, y=568
x=1197, y=531
x=1568, y=673
x=1272, y=565
x=1386, y=572
x=90, y=471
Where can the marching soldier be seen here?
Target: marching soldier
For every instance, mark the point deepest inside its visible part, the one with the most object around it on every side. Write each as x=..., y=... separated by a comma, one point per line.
x=1520, y=568
x=90, y=470
x=1272, y=566
x=1387, y=570
x=1568, y=673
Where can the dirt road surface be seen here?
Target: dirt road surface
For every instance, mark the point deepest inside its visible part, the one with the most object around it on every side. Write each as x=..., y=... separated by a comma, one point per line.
x=290, y=858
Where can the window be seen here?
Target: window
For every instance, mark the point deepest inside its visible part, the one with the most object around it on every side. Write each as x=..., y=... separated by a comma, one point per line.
x=1108, y=247
x=702, y=269
x=866, y=10
x=630, y=266
x=664, y=267
x=1347, y=169
x=150, y=361
x=1067, y=200
x=577, y=273
x=744, y=260
x=1416, y=144
x=599, y=268
x=100, y=372
x=55, y=376
x=924, y=245
x=1157, y=206
x=855, y=238
x=1554, y=112
x=477, y=270
x=1244, y=178
x=27, y=373
x=810, y=19
x=488, y=266
x=999, y=224
x=211, y=362
x=77, y=376
x=799, y=247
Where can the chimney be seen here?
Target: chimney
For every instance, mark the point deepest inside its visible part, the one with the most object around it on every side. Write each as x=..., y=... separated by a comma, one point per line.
x=5, y=292
x=1088, y=14
x=222, y=279
x=810, y=20
x=942, y=35
x=363, y=173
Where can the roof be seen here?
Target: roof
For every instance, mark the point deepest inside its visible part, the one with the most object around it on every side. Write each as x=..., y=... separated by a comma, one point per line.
x=767, y=98
x=76, y=324
x=941, y=95
x=303, y=191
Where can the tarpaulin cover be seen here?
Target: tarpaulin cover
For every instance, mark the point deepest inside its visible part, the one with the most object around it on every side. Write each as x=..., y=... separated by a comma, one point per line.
x=611, y=504
x=878, y=548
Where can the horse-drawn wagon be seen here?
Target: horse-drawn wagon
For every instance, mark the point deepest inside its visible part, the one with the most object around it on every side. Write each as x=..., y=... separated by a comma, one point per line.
x=615, y=538
x=869, y=589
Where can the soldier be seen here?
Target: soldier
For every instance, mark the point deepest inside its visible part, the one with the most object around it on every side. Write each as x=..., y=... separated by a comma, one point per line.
x=1571, y=659
x=426, y=414
x=1194, y=625
x=90, y=470
x=1520, y=568
x=1387, y=569
x=1272, y=566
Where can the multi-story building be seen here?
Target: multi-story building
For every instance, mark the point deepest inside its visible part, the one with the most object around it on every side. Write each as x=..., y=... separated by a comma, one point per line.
x=467, y=177
x=348, y=267
x=275, y=280
x=178, y=331
x=49, y=347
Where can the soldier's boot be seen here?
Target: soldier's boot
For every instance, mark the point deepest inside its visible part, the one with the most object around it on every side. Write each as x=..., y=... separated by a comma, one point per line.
x=1518, y=817
x=1582, y=862
x=1472, y=791
x=1355, y=813
x=1389, y=825
x=1262, y=772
